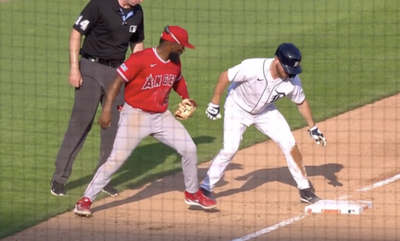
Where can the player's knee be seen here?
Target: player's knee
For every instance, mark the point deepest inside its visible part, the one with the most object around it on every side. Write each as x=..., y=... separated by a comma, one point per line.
x=287, y=145
x=189, y=149
x=113, y=163
x=229, y=151
x=118, y=156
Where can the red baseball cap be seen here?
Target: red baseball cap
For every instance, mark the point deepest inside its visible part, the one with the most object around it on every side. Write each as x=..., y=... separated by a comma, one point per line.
x=176, y=34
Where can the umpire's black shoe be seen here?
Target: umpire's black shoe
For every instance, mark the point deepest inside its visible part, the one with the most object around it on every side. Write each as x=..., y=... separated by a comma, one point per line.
x=57, y=189
x=110, y=190
x=207, y=193
x=307, y=196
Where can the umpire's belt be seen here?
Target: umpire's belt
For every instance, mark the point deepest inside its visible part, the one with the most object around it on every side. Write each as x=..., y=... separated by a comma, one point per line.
x=107, y=62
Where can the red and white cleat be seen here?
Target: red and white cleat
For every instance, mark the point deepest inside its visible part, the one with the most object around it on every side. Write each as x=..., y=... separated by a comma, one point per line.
x=199, y=199
x=82, y=207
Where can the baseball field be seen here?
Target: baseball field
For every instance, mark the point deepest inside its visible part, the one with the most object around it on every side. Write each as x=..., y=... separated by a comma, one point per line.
x=350, y=77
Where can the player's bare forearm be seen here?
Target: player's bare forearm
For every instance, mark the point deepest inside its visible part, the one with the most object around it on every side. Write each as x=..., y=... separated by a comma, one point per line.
x=136, y=47
x=305, y=111
x=74, y=47
x=221, y=86
x=112, y=93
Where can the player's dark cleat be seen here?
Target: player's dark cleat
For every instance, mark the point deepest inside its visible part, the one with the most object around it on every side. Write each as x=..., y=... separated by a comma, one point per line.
x=207, y=193
x=82, y=207
x=57, y=189
x=199, y=199
x=110, y=190
x=307, y=196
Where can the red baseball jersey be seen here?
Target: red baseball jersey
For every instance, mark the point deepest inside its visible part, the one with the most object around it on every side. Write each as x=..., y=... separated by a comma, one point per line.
x=149, y=80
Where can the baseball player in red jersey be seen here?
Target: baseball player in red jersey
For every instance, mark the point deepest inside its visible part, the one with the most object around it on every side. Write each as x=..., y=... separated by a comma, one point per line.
x=149, y=76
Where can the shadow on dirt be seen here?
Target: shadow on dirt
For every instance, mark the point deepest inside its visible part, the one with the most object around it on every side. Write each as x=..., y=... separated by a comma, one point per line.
x=251, y=180
x=259, y=177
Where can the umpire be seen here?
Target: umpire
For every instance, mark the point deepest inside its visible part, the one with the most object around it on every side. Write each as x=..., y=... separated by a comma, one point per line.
x=110, y=27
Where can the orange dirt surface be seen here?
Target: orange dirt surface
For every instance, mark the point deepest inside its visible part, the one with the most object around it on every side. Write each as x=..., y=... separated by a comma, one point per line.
x=258, y=191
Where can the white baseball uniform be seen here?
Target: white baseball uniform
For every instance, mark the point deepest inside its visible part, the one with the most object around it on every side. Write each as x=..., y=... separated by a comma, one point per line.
x=250, y=101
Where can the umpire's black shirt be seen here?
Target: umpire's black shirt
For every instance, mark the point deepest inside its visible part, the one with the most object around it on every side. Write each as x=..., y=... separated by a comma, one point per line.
x=108, y=28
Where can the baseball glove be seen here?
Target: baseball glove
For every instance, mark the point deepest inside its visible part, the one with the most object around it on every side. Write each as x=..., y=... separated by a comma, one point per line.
x=185, y=109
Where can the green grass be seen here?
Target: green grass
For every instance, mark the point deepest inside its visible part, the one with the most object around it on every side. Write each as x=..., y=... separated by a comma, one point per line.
x=350, y=59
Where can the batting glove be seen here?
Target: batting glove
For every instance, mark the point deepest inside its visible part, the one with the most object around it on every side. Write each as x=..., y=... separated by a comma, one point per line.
x=317, y=136
x=213, y=111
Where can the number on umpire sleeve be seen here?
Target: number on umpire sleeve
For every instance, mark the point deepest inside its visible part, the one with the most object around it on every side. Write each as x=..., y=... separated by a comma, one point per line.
x=83, y=24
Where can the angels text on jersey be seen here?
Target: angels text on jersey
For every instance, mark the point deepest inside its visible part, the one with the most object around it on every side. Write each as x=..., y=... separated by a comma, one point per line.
x=166, y=80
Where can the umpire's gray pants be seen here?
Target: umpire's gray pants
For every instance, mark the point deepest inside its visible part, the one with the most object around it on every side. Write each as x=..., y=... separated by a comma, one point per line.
x=96, y=80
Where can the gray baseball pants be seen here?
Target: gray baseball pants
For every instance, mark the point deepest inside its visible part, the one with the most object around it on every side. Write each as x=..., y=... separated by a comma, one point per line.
x=96, y=80
x=134, y=126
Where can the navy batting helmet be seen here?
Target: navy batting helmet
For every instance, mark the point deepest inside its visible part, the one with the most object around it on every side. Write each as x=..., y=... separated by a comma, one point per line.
x=290, y=57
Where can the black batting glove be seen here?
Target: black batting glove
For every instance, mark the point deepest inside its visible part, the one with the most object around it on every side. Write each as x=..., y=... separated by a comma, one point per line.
x=212, y=111
x=317, y=136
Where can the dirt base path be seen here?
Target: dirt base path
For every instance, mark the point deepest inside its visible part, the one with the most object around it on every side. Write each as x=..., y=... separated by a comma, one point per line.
x=258, y=191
